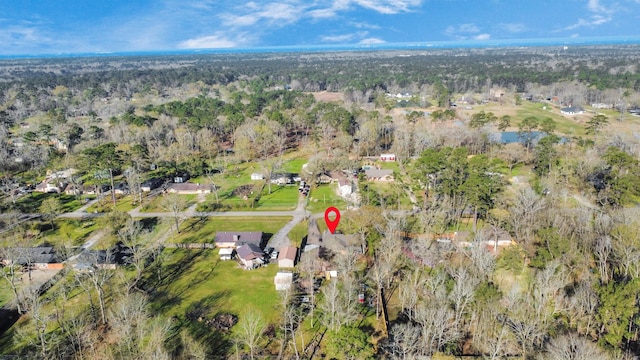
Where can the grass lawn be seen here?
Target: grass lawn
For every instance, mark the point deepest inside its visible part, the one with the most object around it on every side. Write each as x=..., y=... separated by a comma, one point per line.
x=31, y=203
x=72, y=231
x=281, y=198
x=155, y=205
x=123, y=203
x=294, y=166
x=391, y=194
x=199, y=279
x=6, y=294
x=298, y=232
x=323, y=196
x=203, y=230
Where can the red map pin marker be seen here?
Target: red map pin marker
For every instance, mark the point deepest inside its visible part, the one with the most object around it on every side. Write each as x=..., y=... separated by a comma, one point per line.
x=332, y=224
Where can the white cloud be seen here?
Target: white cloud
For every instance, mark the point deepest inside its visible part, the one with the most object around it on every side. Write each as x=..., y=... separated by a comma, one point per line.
x=344, y=38
x=482, y=37
x=599, y=15
x=371, y=41
x=389, y=6
x=216, y=41
x=512, y=27
x=462, y=31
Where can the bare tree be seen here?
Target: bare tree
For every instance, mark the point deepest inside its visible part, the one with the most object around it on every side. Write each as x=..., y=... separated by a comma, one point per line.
x=174, y=204
x=574, y=347
x=250, y=330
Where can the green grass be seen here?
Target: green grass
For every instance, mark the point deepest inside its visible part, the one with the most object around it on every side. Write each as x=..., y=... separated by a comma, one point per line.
x=123, y=203
x=203, y=230
x=200, y=278
x=391, y=193
x=71, y=231
x=31, y=203
x=324, y=196
x=298, y=232
x=294, y=166
x=155, y=205
x=281, y=198
x=6, y=294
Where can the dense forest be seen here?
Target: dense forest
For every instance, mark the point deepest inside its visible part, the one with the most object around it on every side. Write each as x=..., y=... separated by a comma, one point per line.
x=565, y=195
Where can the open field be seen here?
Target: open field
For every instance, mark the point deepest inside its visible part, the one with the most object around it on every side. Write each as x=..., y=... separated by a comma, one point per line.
x=200, y=278
x=323, y=196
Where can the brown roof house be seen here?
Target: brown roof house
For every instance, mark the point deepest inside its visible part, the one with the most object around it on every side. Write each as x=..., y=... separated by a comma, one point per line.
x=250, y=255
x=188, y=188
x=287, y=257
x=235, y=239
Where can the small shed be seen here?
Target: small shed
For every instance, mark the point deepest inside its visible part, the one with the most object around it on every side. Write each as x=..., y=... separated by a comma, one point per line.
x=257, y=176
x=283, y=281
x=388, y=157
x=226, y=253
x=287, y=257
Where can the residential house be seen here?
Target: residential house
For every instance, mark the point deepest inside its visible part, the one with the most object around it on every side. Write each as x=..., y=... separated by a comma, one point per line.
x=572, y=110
x=234, y=239
x=287, y=257
x=250, y=255
x=121, y=189
x=282, y=178
x=92, y=259
x=188, y=188
x=283, y=281
x=257, y=176
x=490, y=237
x=151, y=184
x=384, y=175
x=45, y=187
x=36, y=258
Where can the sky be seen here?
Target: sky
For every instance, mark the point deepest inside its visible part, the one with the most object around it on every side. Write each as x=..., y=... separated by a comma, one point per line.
x=78, y=26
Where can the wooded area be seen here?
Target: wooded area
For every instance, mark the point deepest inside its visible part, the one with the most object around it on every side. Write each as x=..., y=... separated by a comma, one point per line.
x=425, y=275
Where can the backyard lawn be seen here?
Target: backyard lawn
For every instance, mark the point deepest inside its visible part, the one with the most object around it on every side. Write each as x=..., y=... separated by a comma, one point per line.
x=199, y=280
x=323, y=196
x=281, y=198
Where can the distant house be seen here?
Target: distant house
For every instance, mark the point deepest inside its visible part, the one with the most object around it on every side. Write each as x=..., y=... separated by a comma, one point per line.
x=345, y=187
x=188, y=188
x=287, y=257
x=388, y=157
x=45, y=187
x=234, y=239
x=38, y=258
x=226, y=253
x=572, y=110
x=78, y=189
x=181, y=178
x=121, y=189
x=282, y=178
x=257, y=176
x=91, y=259
x=492, y=238
x=283, y=281
x=384, y=175
x=150, y=184
x=250, y=255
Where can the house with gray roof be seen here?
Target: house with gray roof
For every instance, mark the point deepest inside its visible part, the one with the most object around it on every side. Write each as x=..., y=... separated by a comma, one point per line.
x=235, y=239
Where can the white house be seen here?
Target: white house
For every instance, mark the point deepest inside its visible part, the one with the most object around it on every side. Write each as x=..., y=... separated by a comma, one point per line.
x=572, y=110
x=257, y=176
